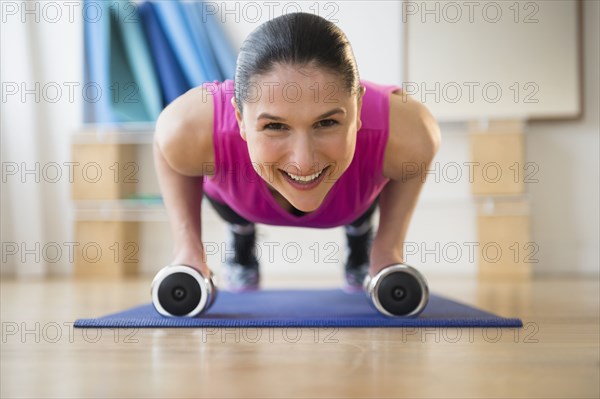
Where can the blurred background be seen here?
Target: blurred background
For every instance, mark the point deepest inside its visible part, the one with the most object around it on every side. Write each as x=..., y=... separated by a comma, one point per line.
x=513, y=192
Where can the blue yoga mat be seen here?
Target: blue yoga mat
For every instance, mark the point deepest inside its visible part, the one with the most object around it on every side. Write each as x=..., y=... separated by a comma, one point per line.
x=303, y=308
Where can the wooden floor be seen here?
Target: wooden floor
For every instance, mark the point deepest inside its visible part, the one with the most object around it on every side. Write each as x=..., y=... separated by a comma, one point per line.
x=556, y=354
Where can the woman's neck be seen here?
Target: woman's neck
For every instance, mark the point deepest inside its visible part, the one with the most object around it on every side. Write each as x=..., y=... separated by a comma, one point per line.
x=285, y=204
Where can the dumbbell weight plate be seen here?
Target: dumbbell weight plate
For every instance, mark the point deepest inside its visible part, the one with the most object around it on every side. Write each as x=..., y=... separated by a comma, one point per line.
x=398, y=290
x=181, y=290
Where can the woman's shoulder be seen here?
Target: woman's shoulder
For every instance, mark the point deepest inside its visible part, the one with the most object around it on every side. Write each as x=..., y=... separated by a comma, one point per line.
x=184, y=132
x=375, y=104
x=414, y=136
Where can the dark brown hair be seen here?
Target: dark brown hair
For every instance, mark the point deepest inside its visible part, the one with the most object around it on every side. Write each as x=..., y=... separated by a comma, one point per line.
x=295, y=39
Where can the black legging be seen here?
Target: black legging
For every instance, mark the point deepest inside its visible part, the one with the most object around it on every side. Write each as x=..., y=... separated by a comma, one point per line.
x=230, y=216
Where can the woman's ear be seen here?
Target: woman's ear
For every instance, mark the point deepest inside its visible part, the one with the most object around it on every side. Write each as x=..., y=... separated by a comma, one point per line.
x=360, y=95
x=238, y=117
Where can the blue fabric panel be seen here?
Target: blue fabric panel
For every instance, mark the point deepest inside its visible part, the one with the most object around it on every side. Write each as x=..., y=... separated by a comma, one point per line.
x=171, y=76
x=172, y=20
x=124, y=92
x=98, y=107
x=197, y=33
x=137, y=53
x=222, y=48
x=224, y=54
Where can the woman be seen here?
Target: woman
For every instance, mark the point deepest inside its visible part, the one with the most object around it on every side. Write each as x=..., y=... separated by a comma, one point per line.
x=297, y=139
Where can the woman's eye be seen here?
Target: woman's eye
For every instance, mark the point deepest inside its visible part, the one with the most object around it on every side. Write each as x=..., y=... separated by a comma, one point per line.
x=328, y=122
x=274, y=126
x=281, y=126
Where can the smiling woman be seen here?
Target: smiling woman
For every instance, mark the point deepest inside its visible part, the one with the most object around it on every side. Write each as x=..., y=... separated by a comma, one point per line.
x=296, y=139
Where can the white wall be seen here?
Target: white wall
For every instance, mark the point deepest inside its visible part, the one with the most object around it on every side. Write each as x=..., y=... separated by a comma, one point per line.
x=565, y=212
x=565, y=201
x=373, y=28
x=41, y=55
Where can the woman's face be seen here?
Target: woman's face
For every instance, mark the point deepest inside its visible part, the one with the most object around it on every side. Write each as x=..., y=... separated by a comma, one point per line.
x=300, y=126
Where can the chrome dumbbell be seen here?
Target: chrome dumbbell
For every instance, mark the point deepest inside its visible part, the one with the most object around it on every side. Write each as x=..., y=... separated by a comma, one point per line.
x=397, y=290
x=181, y=290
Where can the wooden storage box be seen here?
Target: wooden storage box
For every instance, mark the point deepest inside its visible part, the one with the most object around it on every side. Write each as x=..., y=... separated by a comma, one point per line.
x=505, y=248
x=497, y=151
x=103, y=171
x=106, y=248
x=106, y=218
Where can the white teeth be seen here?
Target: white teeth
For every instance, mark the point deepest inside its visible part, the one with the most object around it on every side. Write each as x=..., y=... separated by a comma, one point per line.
x=305, y=179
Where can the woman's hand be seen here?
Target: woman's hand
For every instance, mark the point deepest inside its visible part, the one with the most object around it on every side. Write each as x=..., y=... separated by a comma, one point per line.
x=381, y=257
x=193, y=256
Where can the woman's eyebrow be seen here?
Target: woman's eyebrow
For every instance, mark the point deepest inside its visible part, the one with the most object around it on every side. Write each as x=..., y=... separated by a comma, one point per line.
x=265, y=115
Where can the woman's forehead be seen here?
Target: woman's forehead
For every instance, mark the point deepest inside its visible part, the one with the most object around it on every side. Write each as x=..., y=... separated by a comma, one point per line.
x=289, y=82
x=293, y=99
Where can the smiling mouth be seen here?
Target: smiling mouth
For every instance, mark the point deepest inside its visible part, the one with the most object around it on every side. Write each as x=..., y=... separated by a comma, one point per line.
x=305, y=179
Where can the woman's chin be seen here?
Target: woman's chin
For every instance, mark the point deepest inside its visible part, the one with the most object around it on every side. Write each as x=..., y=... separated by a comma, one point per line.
x=307, y=206
x=307, y=209
x=306, y=201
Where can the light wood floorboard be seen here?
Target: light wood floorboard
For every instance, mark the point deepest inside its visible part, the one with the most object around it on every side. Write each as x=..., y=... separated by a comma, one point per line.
x=556, y=354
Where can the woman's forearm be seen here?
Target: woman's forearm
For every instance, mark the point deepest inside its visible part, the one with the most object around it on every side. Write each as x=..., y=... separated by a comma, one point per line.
x=396, y=206
x=182, y=196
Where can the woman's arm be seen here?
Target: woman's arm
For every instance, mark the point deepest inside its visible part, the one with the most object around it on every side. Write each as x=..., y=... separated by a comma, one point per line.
x=411, y=149
x=182, y=196
x=396, y=205
x=182, y=148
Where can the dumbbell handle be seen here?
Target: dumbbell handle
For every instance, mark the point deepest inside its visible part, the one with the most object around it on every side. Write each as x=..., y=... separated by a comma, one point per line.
x=207, y=287
x=371, y=287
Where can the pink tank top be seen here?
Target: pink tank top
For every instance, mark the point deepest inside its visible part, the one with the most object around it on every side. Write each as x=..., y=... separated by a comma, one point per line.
x=236, y=183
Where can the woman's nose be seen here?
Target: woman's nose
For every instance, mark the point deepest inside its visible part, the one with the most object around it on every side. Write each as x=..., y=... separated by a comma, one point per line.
x=302, y=160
